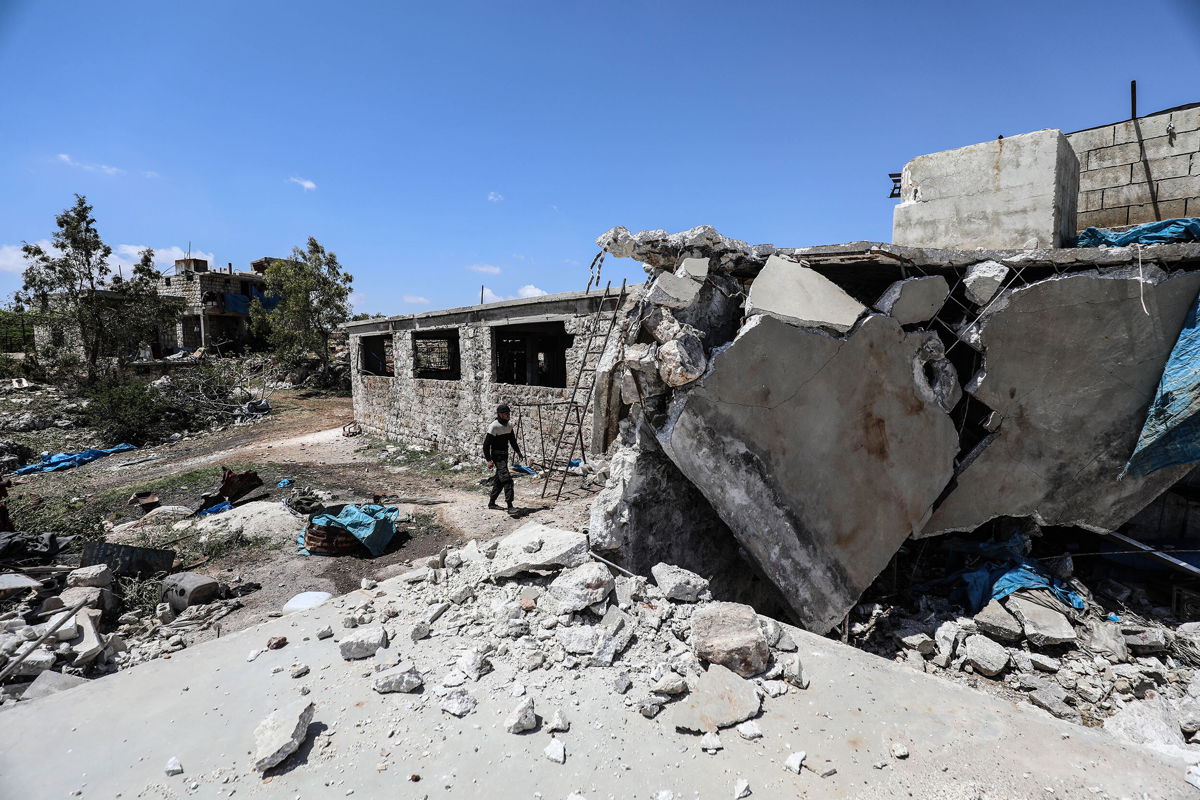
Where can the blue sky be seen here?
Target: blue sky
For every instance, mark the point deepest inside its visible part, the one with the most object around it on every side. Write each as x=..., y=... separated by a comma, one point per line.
x=440, y=146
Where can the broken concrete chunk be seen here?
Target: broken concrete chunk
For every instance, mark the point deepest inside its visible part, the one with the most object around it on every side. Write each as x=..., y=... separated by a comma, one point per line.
x=1146, y=640
x=458, y=702
x=173, y=766
x=35, y=663
x=671, y=683
x=558, y=722
x=672, y=291
x=577, y=639
x=983, y=280
x=403, y=677
x=523, y=718
x=797, y=295
x=694, y=268
x=1053, y=698
x=729, y=634
x=1044, y=663
x=679, y=584
x=616, y=631
x=915, y=299
x=749, y=730
x=681, y=361
x=556, y=751
x=281, y=734
x=50, y=682
x=474, y=663
x=985, y=656
x=91, y=596
x=363, y=642
x=1044, y=625
x=98, y=575
x=88, y=644
x=559, y=548
x=718, y=699
x=795, y=762
x=576, y=589
x=819, y=539
x=997, y=622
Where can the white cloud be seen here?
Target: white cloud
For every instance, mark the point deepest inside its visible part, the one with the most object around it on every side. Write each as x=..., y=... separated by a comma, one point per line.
x=495, y=197
x=485, y=268
x=64, y=158
x=528, y=290
x=13, y=260
x=303, y=183
x=416, y=299
x=126, y=255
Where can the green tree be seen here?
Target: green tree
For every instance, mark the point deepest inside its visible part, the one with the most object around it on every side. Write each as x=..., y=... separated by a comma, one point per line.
x=313, y=294
x=91, y=314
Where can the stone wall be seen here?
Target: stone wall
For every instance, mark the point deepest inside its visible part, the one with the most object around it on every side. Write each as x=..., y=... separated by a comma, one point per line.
x=1119, y=164
x=450, y=415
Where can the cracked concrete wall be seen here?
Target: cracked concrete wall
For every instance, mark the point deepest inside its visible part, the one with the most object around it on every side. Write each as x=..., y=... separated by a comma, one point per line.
x=1014, y=385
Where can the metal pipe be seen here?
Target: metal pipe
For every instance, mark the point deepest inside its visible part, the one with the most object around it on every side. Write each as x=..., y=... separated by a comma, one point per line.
x=70, y=614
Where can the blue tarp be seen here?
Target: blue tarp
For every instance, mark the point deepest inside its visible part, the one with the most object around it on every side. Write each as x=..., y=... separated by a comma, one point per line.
x=1185, y=229
x=372, y=525
x=285, y=483
x=224, y=505
x=1006, y=570
x=59, y=461
x=1171, y=433
x=240, y=303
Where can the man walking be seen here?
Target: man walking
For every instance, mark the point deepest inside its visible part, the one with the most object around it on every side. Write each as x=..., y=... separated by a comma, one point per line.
x=495, y=449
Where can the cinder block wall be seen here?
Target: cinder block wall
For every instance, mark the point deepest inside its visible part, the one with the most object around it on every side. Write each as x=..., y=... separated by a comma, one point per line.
x=1113, y=186
x=450, y=416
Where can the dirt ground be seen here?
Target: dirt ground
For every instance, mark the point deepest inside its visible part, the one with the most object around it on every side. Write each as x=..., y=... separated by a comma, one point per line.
x=303, y=440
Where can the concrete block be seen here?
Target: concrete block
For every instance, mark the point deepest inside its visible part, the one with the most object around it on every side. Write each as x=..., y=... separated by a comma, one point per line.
x=1178, y=188
x=915, y=299
x=1093, y=139
x=1167, y=146
x=1131, y=194
x=1113, y=156
x=820, y=507
x=1163, y=168
x=1043, y=626
x=1104, y=178
x=1142, y=128
x=1167, y=209
x=1108, y=218
x=798, y=295
x=88, y=644
x=1091, y=201
x=672, y=291
x=695, y=268
x=1008, y=193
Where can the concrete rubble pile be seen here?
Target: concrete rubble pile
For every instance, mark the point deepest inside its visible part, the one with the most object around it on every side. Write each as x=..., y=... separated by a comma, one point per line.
x=800, y=414
x=536, y=606
x=46, y=647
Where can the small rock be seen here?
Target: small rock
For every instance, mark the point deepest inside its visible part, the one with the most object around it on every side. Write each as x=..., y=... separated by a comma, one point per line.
x=474, y=664
x=458, y=702
x=276, y=642
x=749, y=730
x=576, y=589
x=558, y=722
x=741, y=789
x=985, y=656
x=325, y=633
x=420, y=630
x=671, y=683
x=795, y=762
x=363, y=643
x=300, y=670
x=556, y=752
x=403, y=677
x=281, y=733
x=173, y=766
x=522, y=718
x=368, y=583
x=97, y=575
x=622, y=683
x=679, y=584
x=711, y=742
x=729, y=634
x=995, y=621
x=899, y=750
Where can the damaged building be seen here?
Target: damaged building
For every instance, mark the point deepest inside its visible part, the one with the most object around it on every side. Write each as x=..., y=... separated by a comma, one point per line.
x=785, y=420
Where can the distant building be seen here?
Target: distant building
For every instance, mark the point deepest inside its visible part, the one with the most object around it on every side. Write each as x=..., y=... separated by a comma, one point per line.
x=216, y=303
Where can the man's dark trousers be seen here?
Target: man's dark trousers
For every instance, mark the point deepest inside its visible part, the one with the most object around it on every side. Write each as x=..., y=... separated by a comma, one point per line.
x=502, y=480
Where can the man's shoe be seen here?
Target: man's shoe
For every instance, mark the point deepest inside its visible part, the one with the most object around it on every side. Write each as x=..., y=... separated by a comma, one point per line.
x=510, y=508
x=493, y=505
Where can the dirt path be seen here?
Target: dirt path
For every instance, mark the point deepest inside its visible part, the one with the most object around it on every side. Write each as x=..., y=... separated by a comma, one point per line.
x=304, y=441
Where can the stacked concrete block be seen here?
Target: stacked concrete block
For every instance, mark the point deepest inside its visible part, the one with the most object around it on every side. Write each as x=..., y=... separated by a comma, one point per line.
x=1139, y=170
x=1018, y=192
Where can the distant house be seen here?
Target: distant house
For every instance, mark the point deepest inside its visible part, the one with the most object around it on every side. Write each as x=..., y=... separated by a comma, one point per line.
x=216, y=309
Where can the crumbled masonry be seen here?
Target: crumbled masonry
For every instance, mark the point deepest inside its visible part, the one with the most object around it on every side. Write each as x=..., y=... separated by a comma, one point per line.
x=854, y=397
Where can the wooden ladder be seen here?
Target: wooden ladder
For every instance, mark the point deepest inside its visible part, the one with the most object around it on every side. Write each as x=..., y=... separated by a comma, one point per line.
x=570, y=436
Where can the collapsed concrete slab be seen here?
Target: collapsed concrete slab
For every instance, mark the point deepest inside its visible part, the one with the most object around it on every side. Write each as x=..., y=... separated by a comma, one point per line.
x=914, y=300
x=790, y=432
x=1070, y=366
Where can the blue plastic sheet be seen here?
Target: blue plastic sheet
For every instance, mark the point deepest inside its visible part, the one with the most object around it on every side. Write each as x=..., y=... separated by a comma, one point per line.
x=997, y=581
x=372, y=525
x=285, y=483
x=60, y=461
x=224, y=505
x=1171, y=432
x=1184, y=229
x=523, y=469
